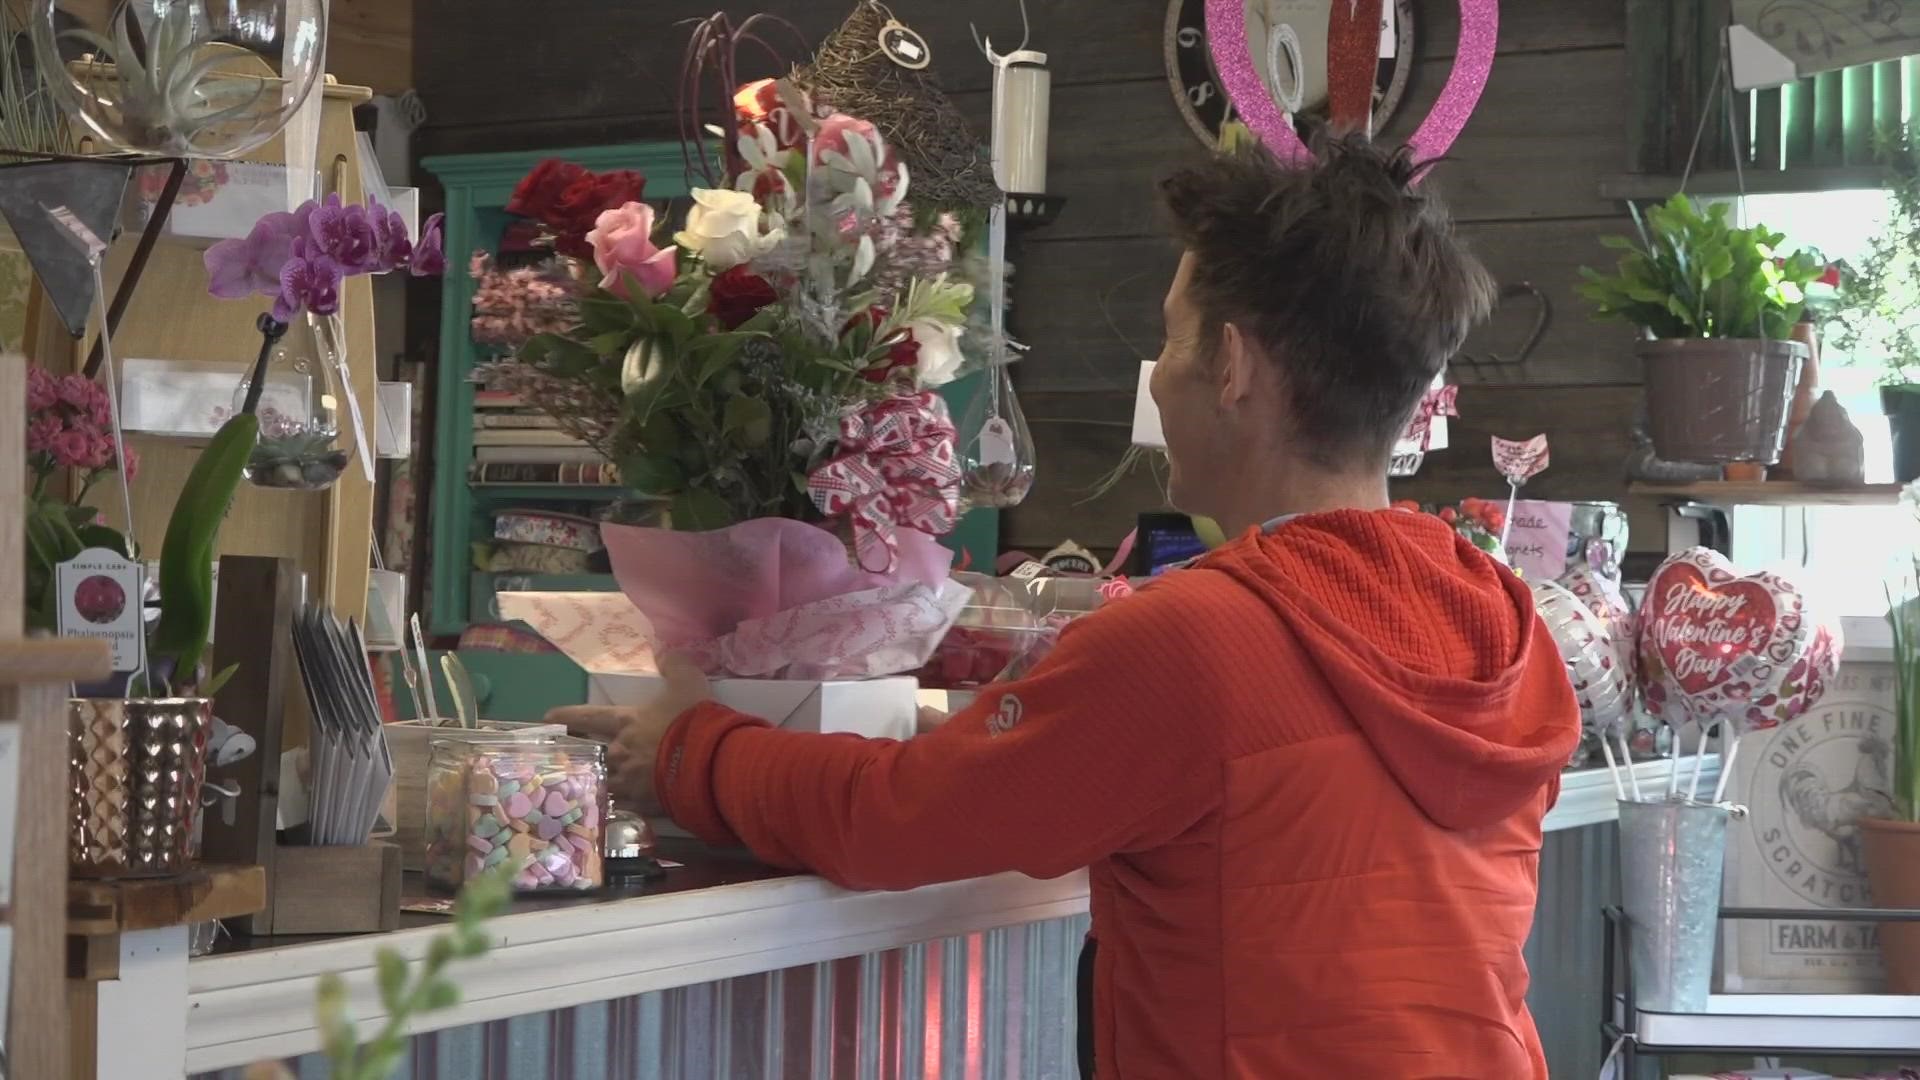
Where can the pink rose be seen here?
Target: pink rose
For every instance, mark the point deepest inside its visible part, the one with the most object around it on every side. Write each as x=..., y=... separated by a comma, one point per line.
x=623, y=247
x=43, y=391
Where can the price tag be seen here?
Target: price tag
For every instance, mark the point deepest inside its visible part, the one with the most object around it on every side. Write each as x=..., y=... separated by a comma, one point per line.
x=996, y=442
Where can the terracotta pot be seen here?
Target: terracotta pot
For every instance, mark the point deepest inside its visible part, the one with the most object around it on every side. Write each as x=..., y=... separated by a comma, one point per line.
x=1746, y=471
x=1803, y=396
x=1893, y=873
x=1720, y=400
x=135, y=770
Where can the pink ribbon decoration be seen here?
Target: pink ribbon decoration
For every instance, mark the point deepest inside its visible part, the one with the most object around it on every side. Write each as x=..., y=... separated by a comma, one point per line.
x=896, y=468
x=1441, y=402
x=1240, y=76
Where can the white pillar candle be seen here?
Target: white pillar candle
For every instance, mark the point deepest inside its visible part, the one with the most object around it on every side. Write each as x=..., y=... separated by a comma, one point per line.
x=1020, y=122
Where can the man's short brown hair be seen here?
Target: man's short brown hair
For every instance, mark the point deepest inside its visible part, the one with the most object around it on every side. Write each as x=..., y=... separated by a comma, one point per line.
x=1343, y=272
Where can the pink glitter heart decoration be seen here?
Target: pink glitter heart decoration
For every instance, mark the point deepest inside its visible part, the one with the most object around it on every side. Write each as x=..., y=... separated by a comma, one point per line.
x=1234, y=60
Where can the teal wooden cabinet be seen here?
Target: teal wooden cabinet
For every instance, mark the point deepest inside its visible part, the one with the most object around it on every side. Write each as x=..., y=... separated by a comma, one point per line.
x=477, y=189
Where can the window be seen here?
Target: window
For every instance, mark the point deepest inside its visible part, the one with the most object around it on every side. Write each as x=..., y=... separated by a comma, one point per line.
x=1842, y=554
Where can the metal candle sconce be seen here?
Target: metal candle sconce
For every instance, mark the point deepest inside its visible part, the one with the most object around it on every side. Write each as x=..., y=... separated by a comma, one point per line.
x=1022, y=110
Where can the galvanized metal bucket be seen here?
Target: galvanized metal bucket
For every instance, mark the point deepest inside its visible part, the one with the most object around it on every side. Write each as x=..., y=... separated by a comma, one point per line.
x=1672, y=854
x=135, y=770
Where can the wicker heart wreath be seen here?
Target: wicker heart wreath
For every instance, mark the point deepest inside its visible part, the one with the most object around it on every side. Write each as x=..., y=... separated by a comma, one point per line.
x=1240, y=74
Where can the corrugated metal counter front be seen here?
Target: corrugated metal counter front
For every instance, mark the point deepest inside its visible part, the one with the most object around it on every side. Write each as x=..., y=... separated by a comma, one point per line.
x=732, y=970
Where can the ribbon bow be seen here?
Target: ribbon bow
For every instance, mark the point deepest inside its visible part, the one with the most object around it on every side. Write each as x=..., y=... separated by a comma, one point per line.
x=1433, y=403
x=896, y=468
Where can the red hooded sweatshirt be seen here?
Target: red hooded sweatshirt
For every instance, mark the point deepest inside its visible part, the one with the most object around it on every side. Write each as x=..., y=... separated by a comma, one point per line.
x=1308, y=774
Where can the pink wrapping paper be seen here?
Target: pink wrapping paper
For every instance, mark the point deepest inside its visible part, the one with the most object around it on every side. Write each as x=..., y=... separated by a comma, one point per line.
x=774, y=598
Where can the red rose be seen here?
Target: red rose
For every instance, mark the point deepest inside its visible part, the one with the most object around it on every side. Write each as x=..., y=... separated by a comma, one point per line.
x=575, y=211
x=738, y=295
x=1831, y=277
x=540, y=192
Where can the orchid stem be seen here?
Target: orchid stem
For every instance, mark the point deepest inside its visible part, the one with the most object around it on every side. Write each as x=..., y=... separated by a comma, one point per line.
x=271, y=331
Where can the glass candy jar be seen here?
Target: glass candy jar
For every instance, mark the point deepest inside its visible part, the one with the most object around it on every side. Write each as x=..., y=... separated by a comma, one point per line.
x=304, y=444
x=186, y=78
x=541, y=808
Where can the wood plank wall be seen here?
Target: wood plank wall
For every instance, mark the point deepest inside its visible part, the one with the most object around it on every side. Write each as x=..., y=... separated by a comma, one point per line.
x=1523, y=179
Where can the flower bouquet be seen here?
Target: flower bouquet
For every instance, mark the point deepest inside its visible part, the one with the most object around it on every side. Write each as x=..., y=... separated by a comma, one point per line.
x=763, y=379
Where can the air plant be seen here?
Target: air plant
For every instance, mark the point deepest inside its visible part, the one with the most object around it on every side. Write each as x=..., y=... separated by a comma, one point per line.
x=31, y=122
x=167, y=94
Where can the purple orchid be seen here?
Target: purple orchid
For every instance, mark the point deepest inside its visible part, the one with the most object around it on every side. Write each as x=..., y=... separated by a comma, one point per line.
x=309, y=282
x=430, y=254
x=391, y=239
x=346, y=234
x=237, y=269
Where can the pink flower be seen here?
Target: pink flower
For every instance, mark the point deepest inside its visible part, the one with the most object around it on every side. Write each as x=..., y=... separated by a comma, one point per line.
x=72, y=450
x=77, y=390
x=623, y=248
x=852, y=142
x=129, y=463
x=43, y=390
x=41, y=433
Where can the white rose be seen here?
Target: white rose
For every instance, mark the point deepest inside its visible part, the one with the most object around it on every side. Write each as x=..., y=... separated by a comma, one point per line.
x=642, y=364
x=940, y=356
x=723, y=228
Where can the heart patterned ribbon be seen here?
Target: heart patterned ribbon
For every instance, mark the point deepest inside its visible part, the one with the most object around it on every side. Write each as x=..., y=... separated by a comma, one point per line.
x=1353, y=58
x=897, y=468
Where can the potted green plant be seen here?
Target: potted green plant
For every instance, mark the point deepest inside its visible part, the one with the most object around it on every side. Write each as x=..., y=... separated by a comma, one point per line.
x=139, y=757
x=1876, y=318
x=1717, y=305
x=1892, y=844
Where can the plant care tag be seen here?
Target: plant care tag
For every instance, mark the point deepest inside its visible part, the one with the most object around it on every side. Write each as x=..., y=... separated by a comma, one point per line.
x=1520, y=462
x=100, y=597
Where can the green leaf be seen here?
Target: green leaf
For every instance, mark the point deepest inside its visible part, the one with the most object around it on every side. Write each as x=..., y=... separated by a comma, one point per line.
x=611, y=343
x=441, y=994
x=392, y=975
x=699, y=510
x=748, y=421
x=653, y=475
x=103, y=536
x=213, y=686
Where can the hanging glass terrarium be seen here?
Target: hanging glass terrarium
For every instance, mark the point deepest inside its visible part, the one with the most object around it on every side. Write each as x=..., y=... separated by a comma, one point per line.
x=997, y=462
x=200, y=78
x=303, y=444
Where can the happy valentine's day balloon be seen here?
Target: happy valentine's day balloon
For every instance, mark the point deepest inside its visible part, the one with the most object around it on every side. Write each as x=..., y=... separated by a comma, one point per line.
x=1717, y=646
x=1609, y=605
x=1602, y=686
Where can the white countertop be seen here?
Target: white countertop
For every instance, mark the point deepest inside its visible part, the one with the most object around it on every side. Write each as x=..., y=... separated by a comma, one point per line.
x=259, y=1004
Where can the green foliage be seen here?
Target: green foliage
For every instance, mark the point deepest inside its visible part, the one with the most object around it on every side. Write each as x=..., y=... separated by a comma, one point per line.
x=1877, y=316
x=187, y=552
x=1695, y=275
x=405, y=998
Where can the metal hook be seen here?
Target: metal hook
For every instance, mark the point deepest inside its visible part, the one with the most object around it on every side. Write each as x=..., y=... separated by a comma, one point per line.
x=986, y=45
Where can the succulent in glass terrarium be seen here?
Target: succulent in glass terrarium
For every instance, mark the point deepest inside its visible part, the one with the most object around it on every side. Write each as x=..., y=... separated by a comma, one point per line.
x=181, y=77
x=300, y=446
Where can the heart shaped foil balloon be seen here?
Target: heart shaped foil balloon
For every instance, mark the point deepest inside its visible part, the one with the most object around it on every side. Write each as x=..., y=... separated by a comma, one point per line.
x=1602, y=686
x=1608, y=604
x=1240, y=74
x=1716, y=646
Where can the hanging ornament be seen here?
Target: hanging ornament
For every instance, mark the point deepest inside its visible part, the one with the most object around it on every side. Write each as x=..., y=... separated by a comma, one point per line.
x=997, y=466
x=181, y=77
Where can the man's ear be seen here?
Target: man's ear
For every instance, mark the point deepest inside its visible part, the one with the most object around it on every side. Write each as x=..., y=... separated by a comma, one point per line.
x=1241, y=363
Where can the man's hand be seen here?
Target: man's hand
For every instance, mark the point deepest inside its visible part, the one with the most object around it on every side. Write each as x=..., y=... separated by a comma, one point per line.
x=633, y=732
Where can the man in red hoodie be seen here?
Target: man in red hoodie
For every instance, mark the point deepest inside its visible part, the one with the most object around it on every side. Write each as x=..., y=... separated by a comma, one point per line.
x=1309, y=771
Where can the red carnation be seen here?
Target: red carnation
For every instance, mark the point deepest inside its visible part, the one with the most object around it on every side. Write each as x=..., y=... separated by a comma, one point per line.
x=738, y=295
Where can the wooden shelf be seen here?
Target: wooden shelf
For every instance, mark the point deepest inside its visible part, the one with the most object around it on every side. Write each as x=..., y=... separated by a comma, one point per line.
x=1770, y=493
x=207, y=892
x=493, y=493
